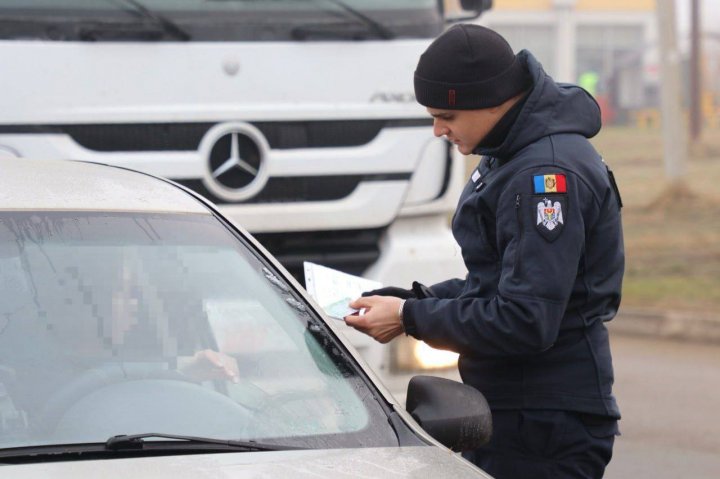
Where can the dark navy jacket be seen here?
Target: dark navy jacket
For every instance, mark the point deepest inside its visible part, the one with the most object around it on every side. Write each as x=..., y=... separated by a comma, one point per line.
x=540, y=232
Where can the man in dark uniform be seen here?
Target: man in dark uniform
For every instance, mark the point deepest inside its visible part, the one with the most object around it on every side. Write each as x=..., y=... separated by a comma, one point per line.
x=540, y=232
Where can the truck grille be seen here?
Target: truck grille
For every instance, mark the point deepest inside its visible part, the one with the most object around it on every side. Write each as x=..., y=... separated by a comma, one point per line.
x=298, y=188
x=187, y=136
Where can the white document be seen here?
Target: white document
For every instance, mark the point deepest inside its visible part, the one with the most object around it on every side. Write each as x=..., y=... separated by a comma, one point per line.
x=333, y=290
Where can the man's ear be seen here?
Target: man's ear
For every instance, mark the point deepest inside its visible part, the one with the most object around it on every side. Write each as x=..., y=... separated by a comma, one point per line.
x=502, y=108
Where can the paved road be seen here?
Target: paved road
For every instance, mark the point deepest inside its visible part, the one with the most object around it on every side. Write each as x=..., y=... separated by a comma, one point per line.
x=669, y=394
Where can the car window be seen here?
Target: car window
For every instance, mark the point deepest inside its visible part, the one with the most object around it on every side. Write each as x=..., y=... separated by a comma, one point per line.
x=121, y=324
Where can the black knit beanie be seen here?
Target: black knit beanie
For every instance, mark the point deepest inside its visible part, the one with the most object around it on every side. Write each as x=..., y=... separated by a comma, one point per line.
x=468, y=67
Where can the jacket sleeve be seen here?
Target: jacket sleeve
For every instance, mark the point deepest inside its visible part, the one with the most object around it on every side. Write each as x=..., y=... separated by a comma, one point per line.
x=448, y=289
x=536, y=279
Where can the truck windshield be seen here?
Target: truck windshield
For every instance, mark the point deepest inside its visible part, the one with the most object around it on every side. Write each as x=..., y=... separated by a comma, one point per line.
x=219, y=20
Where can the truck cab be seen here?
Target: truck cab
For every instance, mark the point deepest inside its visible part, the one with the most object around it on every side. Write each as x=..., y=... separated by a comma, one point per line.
x=297, y=118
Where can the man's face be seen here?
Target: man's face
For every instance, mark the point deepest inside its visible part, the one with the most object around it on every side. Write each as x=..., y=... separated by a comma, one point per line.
x=464, y=128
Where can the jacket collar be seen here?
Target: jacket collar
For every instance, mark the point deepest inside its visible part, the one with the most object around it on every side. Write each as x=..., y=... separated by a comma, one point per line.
x=549, y=108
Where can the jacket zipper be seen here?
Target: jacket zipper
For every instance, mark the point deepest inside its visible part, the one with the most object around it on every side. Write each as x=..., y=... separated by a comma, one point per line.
x=518, y=215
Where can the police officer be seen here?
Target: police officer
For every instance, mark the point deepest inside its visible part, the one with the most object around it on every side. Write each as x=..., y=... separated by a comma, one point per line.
x=540, y=232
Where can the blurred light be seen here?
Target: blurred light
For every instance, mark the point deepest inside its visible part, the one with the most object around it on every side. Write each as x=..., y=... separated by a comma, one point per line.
x=412, y=356
x=430, y=358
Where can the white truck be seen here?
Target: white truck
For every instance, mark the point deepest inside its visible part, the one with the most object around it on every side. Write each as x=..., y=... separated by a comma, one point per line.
x=296, y=117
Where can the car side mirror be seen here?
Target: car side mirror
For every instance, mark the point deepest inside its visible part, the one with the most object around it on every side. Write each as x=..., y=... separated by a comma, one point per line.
x=471, y=9
x=455, y=414
x=476, y=5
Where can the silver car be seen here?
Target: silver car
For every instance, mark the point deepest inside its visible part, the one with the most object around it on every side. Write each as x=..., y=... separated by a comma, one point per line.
x=144, y=335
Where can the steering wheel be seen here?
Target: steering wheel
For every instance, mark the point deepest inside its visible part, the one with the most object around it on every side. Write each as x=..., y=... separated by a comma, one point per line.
x=112, y=399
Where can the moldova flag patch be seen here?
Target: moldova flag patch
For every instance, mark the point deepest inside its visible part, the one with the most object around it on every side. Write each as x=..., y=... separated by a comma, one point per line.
x=549, y=184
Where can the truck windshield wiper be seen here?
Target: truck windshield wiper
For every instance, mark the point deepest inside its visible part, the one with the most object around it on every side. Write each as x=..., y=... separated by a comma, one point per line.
x=339, y=29
x=381, y=30
x=167, y=25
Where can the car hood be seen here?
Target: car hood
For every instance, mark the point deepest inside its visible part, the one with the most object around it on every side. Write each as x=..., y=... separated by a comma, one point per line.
x=396, y=462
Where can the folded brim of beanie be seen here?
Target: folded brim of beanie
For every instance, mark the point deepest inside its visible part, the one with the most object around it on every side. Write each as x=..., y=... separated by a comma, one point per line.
x=473, y=95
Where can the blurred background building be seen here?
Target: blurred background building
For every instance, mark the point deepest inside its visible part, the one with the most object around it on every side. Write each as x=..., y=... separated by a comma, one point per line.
x=606, y=46
x=610, y=47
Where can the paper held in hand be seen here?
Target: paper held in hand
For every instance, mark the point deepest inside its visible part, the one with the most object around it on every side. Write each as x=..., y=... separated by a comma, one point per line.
x=333, y=290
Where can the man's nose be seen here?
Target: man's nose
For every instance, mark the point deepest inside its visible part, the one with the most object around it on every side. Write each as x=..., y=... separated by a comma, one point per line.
x=438, y=128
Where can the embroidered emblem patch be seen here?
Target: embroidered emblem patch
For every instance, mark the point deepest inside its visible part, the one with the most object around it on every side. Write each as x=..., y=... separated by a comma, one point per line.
x=550, y=214
x=549, y=184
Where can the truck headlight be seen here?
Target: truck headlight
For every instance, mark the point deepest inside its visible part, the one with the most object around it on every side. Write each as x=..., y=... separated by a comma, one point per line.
x=430, y=177
x=8, y=152
x=410, y=354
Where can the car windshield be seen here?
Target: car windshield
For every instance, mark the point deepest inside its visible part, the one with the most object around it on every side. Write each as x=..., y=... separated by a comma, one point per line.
x=219, y=20
x=133, y=323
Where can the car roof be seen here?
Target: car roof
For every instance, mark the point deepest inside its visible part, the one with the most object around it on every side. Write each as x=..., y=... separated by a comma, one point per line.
x=42, y=185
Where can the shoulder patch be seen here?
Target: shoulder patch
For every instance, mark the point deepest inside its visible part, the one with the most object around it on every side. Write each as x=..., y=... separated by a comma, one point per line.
x=549, y=184
x=550, y=214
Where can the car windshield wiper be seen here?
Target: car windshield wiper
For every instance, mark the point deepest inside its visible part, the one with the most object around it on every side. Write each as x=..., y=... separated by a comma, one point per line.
x=137, y=441
x=125, y=445
x=340, y=29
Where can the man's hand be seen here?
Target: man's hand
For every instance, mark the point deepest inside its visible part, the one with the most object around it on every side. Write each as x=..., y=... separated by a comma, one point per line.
x=381, y=319
x=208, y=364
x=390, y=291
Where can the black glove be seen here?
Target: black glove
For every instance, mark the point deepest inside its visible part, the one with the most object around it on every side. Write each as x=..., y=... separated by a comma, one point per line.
x=421, y=291
x=418, y=291
x=391, y=291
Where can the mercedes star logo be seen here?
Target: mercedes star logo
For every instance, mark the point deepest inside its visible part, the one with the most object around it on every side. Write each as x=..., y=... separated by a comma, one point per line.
x=234, y=161
x=235, y=155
